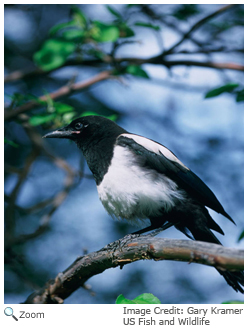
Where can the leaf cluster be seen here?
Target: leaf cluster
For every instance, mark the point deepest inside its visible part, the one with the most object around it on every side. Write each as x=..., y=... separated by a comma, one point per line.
x=81, y=37
x=82, y=40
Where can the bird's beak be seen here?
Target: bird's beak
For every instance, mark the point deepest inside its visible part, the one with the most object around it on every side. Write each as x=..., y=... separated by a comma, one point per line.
x=63, y=132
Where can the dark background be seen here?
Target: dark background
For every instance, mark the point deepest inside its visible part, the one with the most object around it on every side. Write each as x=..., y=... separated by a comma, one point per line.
x=206, y=134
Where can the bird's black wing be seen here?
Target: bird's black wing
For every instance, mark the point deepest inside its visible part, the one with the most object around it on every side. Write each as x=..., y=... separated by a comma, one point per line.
x=165, y=162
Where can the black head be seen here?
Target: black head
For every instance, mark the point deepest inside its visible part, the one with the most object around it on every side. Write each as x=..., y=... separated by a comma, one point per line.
x=87, y=128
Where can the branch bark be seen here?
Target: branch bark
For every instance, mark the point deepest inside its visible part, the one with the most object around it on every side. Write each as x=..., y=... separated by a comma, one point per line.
x=130, y=249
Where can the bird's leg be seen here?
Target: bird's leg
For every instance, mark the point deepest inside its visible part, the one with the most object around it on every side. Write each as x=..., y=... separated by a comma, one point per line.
x=156, y=230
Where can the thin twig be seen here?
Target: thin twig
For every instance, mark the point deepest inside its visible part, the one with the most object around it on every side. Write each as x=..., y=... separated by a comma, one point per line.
x=10, y=209
x=196, y=26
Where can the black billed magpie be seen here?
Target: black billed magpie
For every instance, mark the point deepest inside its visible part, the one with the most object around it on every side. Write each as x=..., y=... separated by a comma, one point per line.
x=140, y=179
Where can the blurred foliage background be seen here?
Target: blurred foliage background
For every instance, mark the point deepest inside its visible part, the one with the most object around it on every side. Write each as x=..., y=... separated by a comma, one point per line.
x=173, y=73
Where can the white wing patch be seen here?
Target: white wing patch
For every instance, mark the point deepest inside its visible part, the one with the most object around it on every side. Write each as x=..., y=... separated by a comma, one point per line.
x=154, y=147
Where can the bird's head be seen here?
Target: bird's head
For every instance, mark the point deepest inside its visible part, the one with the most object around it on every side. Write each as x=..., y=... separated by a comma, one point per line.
x=77, y=129
x=86, y=129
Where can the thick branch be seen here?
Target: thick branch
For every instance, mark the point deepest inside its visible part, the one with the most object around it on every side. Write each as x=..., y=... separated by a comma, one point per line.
x=130, y=249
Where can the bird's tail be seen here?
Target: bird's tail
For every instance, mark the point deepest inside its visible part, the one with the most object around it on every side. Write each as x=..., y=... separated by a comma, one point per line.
x=203, y=233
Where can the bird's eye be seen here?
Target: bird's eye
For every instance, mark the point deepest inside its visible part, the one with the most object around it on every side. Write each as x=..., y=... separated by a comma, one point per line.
x=78, y=126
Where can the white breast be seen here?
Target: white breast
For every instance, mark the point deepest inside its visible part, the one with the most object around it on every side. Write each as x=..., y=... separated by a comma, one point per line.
x=127, y=192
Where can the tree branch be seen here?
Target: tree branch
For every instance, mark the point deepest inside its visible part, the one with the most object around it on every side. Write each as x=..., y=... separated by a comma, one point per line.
x=53, y=203
x=158, y=59
x=169, y=63
x=73, y=88
x=196, y=26
x=10, y=209
x=61, y=92
x=130, y=249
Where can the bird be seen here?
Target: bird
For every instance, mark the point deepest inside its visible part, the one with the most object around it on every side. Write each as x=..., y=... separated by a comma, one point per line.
x=140, y=179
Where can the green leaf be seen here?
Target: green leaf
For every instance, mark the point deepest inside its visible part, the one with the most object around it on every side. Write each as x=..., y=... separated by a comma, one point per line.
x=49, y=102
x=89, y=113
x=67, y=117
x=241, y=236
x=41, y=119
x=62, y=107
x=18, y=99
x=112, y=117
x=122, y=300
x=98, y=53
x=136, y=70
x=53, y=53
x=60, y=26
x=92, y=113
x=102, y=32
x=73, y=35
x=78, y=17
x=133, y=5
x=11, y=143
x=148, y=25
x=59, y=46
x=145, y=298
x=79, y=21
x=240, y=96
x=125, y=31
x=217, y=91
x=183, y=12
x=233, y=302
x=49, y=61
x=113, y=11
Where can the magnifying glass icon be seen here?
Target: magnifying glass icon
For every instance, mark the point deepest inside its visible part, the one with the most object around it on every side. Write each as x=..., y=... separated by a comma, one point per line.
x=9, y=312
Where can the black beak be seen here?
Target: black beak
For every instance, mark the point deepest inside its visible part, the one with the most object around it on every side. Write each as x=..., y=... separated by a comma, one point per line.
x=63, y=132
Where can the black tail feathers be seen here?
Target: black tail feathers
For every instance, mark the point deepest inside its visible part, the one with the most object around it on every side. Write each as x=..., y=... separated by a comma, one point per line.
x=234, y=279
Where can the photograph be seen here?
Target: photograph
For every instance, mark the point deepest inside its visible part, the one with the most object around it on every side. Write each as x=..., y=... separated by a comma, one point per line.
x=124, y=157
